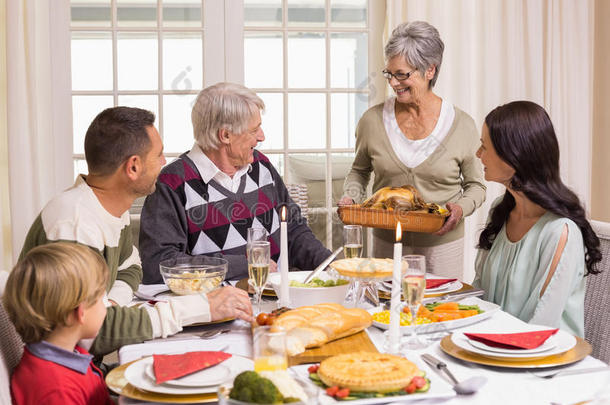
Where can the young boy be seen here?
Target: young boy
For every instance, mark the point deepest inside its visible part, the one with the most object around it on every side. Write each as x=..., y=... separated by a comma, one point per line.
x=55, y=297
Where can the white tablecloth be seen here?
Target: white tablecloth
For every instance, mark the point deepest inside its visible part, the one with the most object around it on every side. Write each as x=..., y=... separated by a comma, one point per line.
x=504, y=386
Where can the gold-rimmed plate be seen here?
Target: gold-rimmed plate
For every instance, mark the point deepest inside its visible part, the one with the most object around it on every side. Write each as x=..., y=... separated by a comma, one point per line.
x=116, y=381
x=581, y=350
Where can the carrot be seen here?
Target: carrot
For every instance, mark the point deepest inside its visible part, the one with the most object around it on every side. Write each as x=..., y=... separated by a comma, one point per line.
x=468, y=312
x=423, y=312
x=452, y=306
x=441, y=316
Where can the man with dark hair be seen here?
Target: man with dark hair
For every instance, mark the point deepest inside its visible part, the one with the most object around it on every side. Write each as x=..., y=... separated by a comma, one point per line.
x=124, y=153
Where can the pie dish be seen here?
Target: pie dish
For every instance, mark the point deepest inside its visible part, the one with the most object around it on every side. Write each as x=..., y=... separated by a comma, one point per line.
x=363, y=268
x=367, y=371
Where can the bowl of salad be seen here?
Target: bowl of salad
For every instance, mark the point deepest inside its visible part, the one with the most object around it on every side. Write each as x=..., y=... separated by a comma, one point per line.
x=323, y=288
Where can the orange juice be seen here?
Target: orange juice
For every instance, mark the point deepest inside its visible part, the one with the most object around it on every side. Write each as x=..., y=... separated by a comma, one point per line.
x=270, y=363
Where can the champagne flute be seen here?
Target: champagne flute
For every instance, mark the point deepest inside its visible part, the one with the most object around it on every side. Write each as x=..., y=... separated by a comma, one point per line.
x=256, y=234
x=413, y=287
x=258, y=268
x=352, y=241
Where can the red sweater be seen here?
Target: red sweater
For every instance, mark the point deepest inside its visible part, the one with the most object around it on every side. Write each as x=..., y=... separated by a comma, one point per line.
x=37, y=381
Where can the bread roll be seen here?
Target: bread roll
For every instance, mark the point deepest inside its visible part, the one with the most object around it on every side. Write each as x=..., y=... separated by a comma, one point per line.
x=316, y=325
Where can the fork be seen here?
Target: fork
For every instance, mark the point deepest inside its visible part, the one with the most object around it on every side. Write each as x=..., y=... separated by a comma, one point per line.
x=571, y=372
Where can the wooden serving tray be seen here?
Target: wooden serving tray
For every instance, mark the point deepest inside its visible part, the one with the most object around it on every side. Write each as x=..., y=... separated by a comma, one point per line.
x=413, y=221
x=358, y=342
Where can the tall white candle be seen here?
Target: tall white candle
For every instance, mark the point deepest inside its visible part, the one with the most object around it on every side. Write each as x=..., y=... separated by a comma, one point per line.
x=285, y=278
x=394, y=341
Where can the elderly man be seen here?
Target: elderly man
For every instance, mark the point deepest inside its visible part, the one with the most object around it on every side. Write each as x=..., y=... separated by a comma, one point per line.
x=207, y=198
x=124, y=154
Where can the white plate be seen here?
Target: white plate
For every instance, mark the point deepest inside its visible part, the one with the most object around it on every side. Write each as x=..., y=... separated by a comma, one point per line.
x=563, y=342
x=488, y=310
x=136, y=375
x=439, y=388
x=214, y=375
x=549, y=344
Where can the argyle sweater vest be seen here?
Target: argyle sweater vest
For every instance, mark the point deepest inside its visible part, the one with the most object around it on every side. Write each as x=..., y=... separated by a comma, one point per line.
x=218, y=219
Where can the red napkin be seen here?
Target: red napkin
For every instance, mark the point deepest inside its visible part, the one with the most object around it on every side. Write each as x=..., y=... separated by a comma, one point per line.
x=171, y=366
x=437, y=282
x=524, y=340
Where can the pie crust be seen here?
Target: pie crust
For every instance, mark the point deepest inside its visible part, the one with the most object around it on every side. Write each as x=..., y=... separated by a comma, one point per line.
x=360, y=267
x=368, y=371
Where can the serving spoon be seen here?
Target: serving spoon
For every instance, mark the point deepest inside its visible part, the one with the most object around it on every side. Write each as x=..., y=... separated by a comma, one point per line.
x=468, y=386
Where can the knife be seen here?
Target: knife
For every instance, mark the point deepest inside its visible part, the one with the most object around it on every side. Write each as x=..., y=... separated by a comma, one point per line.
x=439, y=366
x=477, y=292
x=323, y=265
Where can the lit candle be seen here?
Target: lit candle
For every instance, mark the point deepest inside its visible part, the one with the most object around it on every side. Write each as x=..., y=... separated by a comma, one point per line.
x=395, y=300
x=285, y=280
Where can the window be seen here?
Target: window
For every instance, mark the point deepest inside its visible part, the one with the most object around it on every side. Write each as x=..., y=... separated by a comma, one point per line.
x=309, y=61
x=140, y=53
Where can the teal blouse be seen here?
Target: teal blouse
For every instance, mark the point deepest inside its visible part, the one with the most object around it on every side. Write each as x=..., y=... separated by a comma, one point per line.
x=512, y=275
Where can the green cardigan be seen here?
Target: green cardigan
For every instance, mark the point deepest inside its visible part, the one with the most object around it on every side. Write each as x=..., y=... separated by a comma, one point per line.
x=452, y=173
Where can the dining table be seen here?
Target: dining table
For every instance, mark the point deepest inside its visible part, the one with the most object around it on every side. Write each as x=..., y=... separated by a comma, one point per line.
x=505, y=385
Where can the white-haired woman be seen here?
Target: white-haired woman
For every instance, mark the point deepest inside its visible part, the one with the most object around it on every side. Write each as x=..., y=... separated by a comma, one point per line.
x=206, y=200
x=418, y=138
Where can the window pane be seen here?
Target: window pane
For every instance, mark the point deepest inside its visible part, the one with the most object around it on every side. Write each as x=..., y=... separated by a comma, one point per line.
x=90, y=13
x=177, y=126
x=136, y=13
x=182, y=61
x=348, y=60
x=91, y=61
x=182, y=13
x=150, y=103
x=265, y=13
x=80, y=167
x=348, y=13
x=84, y=110
x=277, y=160
x=310, y=169
x=307, y=120
x=273, y=121
x=137, y=61
x=306, y=60
x=306, y=13
x=345, y=111
x=263, y=59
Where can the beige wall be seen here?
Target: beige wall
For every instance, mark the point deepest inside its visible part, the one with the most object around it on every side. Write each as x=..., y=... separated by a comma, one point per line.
x=600, y=184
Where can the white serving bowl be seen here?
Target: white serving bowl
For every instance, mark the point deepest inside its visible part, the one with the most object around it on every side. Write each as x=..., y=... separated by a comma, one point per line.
x=302, y=296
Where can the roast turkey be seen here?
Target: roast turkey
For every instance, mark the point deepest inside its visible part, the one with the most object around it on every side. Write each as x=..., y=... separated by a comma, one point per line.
x=405, y=198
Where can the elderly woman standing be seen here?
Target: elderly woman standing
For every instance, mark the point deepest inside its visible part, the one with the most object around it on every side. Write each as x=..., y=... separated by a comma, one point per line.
x=418, y=138
x=207, y=198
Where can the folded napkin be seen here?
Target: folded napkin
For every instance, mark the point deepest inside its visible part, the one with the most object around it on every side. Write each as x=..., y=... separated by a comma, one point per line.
x=523, y=340
x=437, y=282
x=171, y=366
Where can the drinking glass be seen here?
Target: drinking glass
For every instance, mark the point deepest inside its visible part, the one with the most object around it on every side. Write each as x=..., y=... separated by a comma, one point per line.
x=352, y=241
x=258, y=269
x=269, y=349
x=413, y=287
x=256, y=234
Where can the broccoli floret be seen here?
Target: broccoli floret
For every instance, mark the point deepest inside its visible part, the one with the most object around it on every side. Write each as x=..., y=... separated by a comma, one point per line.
x=251, y=387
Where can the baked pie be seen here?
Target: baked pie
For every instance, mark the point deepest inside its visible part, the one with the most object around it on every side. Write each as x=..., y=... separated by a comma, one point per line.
x=361, y=267
x=368, y=372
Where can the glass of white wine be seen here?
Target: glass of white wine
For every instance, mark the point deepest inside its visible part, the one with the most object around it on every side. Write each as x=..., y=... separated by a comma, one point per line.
x=413, y=287
x=256, y=234
x=352, y=241
x=258, y=269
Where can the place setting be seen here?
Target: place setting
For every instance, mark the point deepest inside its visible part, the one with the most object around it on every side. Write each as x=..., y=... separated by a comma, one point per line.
x=535, y=347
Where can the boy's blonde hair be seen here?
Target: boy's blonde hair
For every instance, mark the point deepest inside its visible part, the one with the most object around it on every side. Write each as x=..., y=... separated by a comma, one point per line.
x=49, y=283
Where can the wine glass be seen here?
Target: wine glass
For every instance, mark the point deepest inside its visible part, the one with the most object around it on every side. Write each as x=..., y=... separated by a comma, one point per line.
x=413, y=287
x=258, y=268
x=256, y=234
x=352, y=241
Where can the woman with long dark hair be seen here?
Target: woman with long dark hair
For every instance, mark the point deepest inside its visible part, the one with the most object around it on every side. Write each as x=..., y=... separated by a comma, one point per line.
x=537, y=245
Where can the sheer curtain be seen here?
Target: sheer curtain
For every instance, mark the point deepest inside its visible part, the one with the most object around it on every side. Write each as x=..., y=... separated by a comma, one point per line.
x=39, y=118
x=497, y=51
